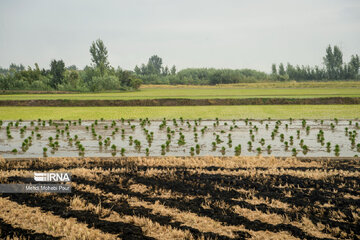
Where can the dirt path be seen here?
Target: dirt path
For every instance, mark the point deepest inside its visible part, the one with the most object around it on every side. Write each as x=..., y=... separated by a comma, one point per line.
x=183, y=102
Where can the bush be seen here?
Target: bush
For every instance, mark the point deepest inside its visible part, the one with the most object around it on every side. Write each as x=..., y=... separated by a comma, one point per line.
x=135, y=83
x=104, y=83
x=40, y=85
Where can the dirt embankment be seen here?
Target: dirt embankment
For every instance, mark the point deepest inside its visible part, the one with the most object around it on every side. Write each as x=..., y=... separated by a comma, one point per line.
x=181, y=102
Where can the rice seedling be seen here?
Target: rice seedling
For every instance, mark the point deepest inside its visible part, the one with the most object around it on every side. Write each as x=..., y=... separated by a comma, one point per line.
x=181, y=140
x=197, y=149
x=272, y=135
x=253, y=137
x=213, y=146
x=238, y=150
x=113, y=147
x=282, y=137
x=337, y=150
x=258, y=150
x=249, y=145
x=137, y=145
x=328, y=146
x=269, y=149
x=303, y=123
x=192, y=151
x=305, y=149
x=223, y=150
x=286, y=145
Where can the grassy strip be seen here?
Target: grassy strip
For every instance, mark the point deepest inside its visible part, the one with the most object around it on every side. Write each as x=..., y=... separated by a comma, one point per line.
x=291, y=84
x=197, y=93
x=179, y=102
x=190, y=112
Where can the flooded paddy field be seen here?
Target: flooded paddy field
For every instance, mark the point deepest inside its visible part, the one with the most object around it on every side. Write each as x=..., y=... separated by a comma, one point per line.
x=180, y=137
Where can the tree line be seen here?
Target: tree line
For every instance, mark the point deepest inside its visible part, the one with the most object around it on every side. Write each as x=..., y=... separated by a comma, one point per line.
x=155, y=73
x=100, y=75
x=334, y=69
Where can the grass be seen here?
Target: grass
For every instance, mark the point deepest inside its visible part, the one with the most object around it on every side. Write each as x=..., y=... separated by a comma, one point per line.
x=198, y=93
x=291, y=84
x=193, y=112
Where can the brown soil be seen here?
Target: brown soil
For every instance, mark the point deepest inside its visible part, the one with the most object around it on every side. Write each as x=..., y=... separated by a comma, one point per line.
x=183, y=102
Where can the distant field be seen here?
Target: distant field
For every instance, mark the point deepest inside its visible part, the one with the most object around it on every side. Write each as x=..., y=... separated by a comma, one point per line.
x=197, y=93
x=292, y=84
x=194, y=112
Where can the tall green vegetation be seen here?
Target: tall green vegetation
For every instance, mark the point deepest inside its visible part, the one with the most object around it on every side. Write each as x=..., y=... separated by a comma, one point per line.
x=99, y=76
x=334, y=68
x=155, y=73
x=57, y=70
x=99, y=55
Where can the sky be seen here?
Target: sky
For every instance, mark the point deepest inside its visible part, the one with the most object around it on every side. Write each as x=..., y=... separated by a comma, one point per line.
x=187, y=33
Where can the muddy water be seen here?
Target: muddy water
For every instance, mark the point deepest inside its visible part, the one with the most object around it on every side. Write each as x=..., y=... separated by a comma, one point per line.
x=240, y=134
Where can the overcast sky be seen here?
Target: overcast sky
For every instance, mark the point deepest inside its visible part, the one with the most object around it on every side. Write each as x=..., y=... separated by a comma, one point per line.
x=188, y=33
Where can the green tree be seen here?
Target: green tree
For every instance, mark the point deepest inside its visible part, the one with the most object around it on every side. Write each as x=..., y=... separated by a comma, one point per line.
x=135, y=83
x=333, y=62
x=154, y=65
x=281, y=69
x=273, y=69
x=165, y=71
x=291, y=71
x=143, y=69
x=173, y=70
x=329, y=62
x=57, y=70
x=338, y=62
x=137, y=70
x=124, y=77
x=354, y=66
x=71, y=67
x=16, y=68
x=72, y=78
x=99, y=55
